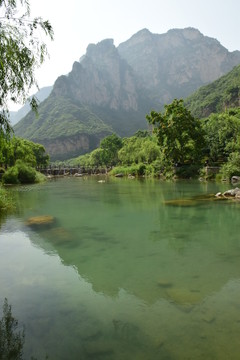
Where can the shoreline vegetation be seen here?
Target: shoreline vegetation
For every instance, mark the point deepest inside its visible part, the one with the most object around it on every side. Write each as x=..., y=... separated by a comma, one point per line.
x=176, y=146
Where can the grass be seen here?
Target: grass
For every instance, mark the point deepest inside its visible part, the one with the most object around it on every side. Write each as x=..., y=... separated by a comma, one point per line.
x=6, y=201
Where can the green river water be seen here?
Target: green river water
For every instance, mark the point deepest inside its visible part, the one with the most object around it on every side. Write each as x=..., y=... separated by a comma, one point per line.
x=122, y=273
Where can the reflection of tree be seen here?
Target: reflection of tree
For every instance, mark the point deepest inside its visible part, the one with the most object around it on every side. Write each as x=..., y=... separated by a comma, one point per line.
x=11, y=340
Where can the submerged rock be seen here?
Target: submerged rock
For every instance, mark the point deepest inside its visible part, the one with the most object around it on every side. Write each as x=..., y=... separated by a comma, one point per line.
x=58, y=235
x=181, y=202
x=40, y=220
x=183, y=296
x=164, y=283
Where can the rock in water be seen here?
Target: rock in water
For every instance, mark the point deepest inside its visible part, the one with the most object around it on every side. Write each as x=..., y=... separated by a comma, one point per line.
x=40, y=220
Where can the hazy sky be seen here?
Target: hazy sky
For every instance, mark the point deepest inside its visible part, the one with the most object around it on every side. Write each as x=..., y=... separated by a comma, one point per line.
x=77, y=23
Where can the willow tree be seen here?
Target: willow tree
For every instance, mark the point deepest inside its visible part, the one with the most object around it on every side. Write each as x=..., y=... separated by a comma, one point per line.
x=179, y=134
x=22, y=51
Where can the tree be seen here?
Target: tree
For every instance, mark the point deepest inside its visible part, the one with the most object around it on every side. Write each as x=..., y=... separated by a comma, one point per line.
x=137, y=149
x=179, y=134
x=110, y=146
x=222, y=134
x=16, y=148
x=232, y=166
x=21, y=53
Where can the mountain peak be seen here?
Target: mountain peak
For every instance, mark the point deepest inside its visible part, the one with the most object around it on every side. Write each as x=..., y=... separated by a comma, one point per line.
x=112, y=88
x=102, y=46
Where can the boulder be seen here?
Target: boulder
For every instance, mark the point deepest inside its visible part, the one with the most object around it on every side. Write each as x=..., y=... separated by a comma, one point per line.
x=183, y=296
x=237, y=196
x=40, y=220
x=231, y=192
x=235, y=179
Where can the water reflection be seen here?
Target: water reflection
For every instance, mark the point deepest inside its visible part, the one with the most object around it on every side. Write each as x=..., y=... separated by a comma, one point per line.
x=141, y=280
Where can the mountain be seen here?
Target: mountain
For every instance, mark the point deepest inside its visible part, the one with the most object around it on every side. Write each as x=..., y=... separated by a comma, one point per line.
x=175, y=64
x=16, y=116
x=112, y=88
x=215, y=97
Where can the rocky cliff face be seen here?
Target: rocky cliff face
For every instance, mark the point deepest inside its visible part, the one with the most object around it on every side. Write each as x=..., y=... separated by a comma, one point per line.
x=111, y=89
x=178, y=62
x=101, y=78
x=73, y=146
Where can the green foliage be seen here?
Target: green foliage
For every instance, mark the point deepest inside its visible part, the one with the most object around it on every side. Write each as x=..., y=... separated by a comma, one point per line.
x=11, y=176
x=14, y=149
x=21, y=53
x=222, y=135
x=217, y=96
x=60, y=117
x=231, y=167
x=109, y=148
x=188, y=171
x=39, y=177
x=139, y=149
x=142, y=133
x=6, y=202
x=20, y=173
x=179, y=135
x=26, y=174
x=96, y=158
x=134, y=170
x=11, y=339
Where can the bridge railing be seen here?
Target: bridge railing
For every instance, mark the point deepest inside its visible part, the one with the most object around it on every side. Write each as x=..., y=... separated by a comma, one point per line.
x=70, y=170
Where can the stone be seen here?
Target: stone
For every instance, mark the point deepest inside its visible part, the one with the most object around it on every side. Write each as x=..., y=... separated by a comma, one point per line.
x=182, y=296
x=40, y=220
x=164, y=283
x=237, y=196
x=181, y=202
x=235, y=179
x=231, y=192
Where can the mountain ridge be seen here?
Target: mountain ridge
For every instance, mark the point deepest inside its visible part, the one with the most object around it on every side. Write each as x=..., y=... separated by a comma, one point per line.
x=111, y=89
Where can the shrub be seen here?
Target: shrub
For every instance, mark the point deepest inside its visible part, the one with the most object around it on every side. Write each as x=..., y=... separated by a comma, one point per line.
x=26, y=174
x=141, y=169
x=11, y=176
x=40, y=177
x=6, y=202
x=232, y=167
x=188, y=171
x=20, y=173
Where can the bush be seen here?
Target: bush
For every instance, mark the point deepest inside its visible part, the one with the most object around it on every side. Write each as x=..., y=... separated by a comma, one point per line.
x=232, y=167
x=40, y=177
x=26, y=174
x=6, y=202
x=188, y=171
x=11, y=176
x=20, y=173
x=134, y=169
